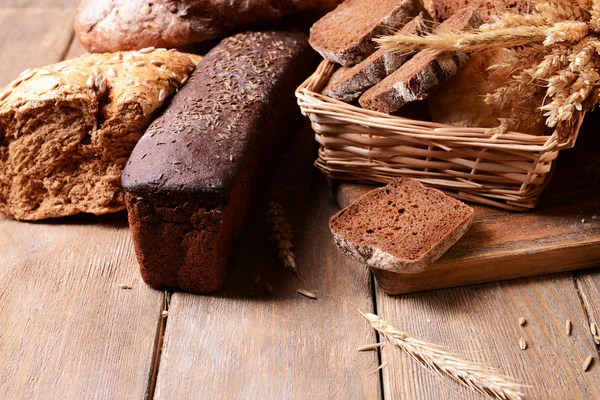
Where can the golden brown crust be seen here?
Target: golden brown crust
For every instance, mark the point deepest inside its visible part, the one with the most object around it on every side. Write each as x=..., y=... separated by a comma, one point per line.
x=67, y=129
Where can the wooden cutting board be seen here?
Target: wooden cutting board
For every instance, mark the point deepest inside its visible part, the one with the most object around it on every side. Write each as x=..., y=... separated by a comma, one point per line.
x=561, y=234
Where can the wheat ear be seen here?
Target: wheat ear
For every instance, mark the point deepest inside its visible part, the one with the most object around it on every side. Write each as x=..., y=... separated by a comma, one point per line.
x=559, y=10
x=475, y=376
x=595, y=16
x=465, y=41
x=280, y=232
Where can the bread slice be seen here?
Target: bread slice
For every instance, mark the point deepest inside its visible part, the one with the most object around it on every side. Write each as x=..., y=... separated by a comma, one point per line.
x=421, y=74
x=348, y=83
x=402, y=227
x=345, y=34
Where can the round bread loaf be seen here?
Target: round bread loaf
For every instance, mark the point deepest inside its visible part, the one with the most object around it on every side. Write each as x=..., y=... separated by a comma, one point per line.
x=132, y=24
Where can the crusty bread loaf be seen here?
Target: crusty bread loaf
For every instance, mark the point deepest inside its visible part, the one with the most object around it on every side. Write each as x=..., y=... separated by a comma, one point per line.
x=192, y=178
x=402, y=227
x=66, y=130
x=345, y=34
x=348, y=83
x=444, y=9
x=113, y=25
x=460, y=101
x=416, y=78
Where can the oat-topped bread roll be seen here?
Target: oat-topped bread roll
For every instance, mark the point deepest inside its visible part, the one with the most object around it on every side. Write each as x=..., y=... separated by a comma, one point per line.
x=111, y=25
x=66, y=130
x=192, y=178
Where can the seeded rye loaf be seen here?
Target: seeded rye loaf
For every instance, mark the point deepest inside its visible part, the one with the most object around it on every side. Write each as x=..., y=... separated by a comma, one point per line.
x=192, y=178
x=416, y=78
x=66, y=130
x=402, y=227
x=344, y=35
x=348, y=83
x=103, y=25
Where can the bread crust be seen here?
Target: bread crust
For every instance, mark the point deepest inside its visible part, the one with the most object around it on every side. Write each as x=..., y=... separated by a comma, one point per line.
x=347, y=84
x=189, y=198
x=345, y=35
x=402, y=227
x=416, y=78
x=113, y=25
x=67, y=129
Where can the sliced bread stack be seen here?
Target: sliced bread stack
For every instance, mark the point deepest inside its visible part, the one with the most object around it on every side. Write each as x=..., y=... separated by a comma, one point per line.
x=344, y=35
x=402, y=227
x=416, y=79
x=385, y=81
x=349, y=83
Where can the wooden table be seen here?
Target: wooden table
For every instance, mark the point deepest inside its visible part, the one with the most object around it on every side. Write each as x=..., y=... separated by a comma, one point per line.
x=70, y=331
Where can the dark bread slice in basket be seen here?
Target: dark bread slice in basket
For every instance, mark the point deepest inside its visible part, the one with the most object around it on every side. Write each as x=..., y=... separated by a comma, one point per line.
x=348, y=83
x=402, y=227
x=421, y=74
x=344, y=35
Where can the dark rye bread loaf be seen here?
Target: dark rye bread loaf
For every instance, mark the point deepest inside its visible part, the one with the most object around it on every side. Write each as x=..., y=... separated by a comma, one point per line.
x=111, y=25
x=348, y=83
x=191, y=179
x=416, y=78
x=402, y=227
x=444, y=9
x=344, y=36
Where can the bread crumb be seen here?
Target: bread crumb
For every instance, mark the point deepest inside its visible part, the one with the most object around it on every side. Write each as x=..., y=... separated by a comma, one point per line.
x=125, y=286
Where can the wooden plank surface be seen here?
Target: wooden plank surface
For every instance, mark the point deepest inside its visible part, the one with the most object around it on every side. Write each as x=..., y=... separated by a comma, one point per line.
x=32, y=37
x=69, y=330
x=243, y=343
x=481, y=322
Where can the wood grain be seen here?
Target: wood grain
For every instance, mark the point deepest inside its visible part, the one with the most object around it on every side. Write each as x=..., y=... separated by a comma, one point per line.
x=32, y=37
x=481, y=322
x=75, y=49
x=69, y=330
x=244, y=343
x=588, y=283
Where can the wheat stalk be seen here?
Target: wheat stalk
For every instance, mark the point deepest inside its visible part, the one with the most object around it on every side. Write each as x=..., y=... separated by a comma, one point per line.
x=559, y=10
x=566, y=31
x=511, y=20
x=475, y=376
x=465, y=41
x=280, y=232
x=595, y=16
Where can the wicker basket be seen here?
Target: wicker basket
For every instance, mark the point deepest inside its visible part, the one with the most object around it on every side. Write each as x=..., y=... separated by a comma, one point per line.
x=508, y=170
